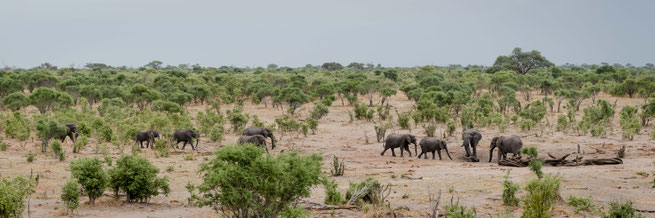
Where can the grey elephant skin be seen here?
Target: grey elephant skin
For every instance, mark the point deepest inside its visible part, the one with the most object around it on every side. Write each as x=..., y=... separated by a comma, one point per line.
x=431, y=145
x=71, y=132
x=186, y=136
x=148, y=136
x=401, y=141
x=252, y=131
x=506, y=144
x=471, y=138
x=254, y=139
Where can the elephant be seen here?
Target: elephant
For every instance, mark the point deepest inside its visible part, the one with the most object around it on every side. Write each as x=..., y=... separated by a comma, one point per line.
x=254, y=139
x=186, y=136
x=430, y=145
x=471, y=137
x=506, y=144
x=148, y=136
x=70, y=129
x=260, y=131
x=401, y=141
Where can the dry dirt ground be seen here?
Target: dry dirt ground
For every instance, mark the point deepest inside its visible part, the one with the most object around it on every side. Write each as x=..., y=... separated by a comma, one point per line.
x=476, y=185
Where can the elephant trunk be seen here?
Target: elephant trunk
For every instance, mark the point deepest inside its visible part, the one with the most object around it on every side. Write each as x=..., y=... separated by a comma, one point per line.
x=197, y=141
x=272, y=142
x=416, y=149
x=491, y=152
x=448, y=153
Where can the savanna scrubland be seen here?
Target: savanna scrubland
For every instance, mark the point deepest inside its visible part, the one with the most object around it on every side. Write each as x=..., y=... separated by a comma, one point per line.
x=329, y=123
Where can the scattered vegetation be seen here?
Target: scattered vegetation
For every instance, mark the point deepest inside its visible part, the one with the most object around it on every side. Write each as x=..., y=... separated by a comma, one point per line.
x=90, y=174
x=70, y=195
x=137, y=178
x=338, y=167
x=12, y=195
x=509, y=192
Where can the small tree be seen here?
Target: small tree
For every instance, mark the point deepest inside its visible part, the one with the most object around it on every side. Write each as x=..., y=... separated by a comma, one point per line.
x=509, y=192
x=91, y=176
x=48, y=129
x=15, y=101
x=294, y=96
x=12, y=195
x=137, y=177
x=232, y=181
x=629, y=122
x=70, y=195
x=18, y=127
x=46, y=99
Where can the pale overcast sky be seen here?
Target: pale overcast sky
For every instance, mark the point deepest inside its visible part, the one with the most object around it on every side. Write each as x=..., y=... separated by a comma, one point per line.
x=298, y=32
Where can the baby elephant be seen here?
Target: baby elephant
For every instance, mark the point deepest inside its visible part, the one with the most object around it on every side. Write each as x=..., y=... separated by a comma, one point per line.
x=254, y=139
x=431, y=145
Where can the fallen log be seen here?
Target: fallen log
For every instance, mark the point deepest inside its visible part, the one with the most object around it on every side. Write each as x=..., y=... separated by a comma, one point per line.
x=318, y=206
x=578, y=161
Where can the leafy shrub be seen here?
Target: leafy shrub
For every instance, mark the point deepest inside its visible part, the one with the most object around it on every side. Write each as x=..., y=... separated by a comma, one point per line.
x=381, y=131
x=3, y=146
x=70, y=195
x=287, y=124
x=361, y=111
x=232, y=181
x=535, y=162
x=451, y=128
x=366, y=187
x=621, y=210
x=332, y=195
x=630, y=123
x=30, y=158
x=403, y=120
x=56, y=148
x=312, y=124
x=459, y=211
x=12, y=195
x=18, y=127
x=542, y=194
x=595, y=117
x=562, y=123
x=581, y=204
x=430, y=128
x=216, y=134
x=48, y=129
x=90, y=175
x=238, y=120
x=80, y=143
x=509, y=192
x=527, y=124
x=319, y=111
x=166, y=106
x=137, y=177
x=208, y=120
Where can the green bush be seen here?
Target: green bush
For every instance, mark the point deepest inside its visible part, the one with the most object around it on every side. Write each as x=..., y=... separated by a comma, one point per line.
x=361, y=111
x=18, y=127
x=312, y=124
x=403, y=120
x=137, y=177
x=509, y=192
x=332, y=195
x=581, y=204
x=56, y=148
x=3, y=146
x=80, y=143
x=630, y=123
x=319, y=111
x=70, y=195
x=562, y=123
x=232, y=181
x=91, y=176
x=622, y=210
x=48, y=129
x=542, y=194
x=368, y=195
x=238, y=120
x=30, y=158
x=216, y=134
x=12, y=195
x=208, y=120
x=459, y=211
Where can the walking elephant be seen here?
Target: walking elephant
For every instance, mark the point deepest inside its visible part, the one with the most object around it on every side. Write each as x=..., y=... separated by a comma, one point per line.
x=260, y=131
x=254, y=139
x=506, y=144
x=432, y=145
x=471, y=137
x=401, y=141
x=70, y=129
x=148, y=136
x=186, y=136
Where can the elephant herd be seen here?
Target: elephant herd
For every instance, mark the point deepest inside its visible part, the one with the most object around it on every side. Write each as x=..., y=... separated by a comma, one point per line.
x=471, y=138
x=255, y=136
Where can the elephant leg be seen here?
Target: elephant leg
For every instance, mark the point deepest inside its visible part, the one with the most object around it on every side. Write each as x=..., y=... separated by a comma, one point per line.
x=184, y=145
x=419, y=156
x=475, y=154
x=385, y=149
x=438, y=152
x=500, y=155
x=393, y=152
x=408, y=151
x=141, y=143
